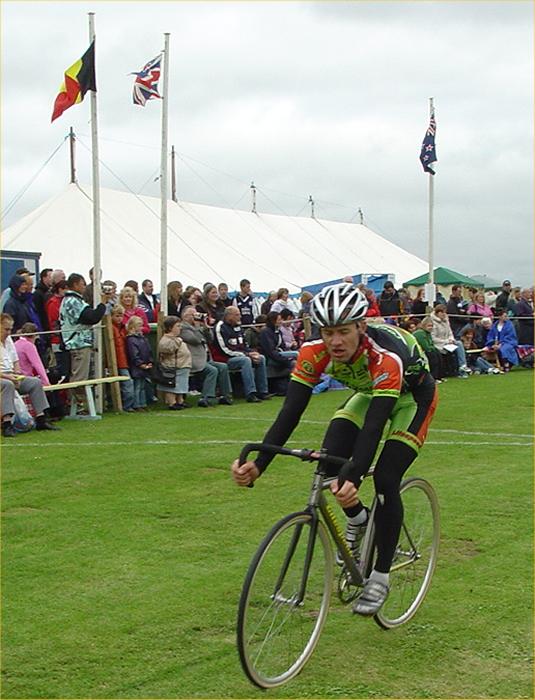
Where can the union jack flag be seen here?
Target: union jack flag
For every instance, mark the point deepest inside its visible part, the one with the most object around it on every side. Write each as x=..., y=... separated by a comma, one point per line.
x=146, y=82
x=428, y=154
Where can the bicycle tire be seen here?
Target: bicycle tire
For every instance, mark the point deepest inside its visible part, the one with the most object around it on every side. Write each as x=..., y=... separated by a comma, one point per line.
x=275, y=635
x=416, y=554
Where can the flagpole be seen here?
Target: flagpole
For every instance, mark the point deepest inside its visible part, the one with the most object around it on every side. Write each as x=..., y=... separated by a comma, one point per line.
x=431, y=202
x=163, y=180
x=96, y=222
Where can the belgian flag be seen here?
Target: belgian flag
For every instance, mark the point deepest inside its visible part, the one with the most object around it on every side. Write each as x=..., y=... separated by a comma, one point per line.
x=79, y=78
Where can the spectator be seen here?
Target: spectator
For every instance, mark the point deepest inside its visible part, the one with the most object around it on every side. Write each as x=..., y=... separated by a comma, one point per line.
x=230, y=347
x=174, y=353
x=174, y=298
x=6, y=294
x=410, y=324
x=266, y=305
x=272, y=346
x=503, y=297
x=211, y=306
x=30, y=362
x=13, y=380
x=222, y=288
x=477, y=363
x=445, y=341
x=88, y=291
x=139, y=360
x=17, y=305
x=373, y=307
x=197, y=335
x=121, y=354
x=252, y=333
x=128, y=300
x=287, y=330
x=245, y=302
x=478, y=306
x=524, y=312
x=389, y=301
x=109, y=287
x=425, y=339
x=148, y=301
x=419, y=306
x=406, y=301
x=306, y=301
x=76, y=318
x=281, y=302
x=58, y=275
x=513, y=300
x=52, y=307
x=502, y=339
x=41, y=294
x=490, y=297
x=456, y=310
x=348, y=279
x=133, y=285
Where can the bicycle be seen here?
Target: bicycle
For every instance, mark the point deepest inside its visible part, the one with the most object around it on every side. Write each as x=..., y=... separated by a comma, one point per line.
x=287, y=589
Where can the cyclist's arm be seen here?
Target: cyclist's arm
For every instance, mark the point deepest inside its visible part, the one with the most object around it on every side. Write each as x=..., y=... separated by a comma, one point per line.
x=297, y=398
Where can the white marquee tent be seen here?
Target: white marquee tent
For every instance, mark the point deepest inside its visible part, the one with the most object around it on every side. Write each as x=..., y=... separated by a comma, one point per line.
x=205, y=243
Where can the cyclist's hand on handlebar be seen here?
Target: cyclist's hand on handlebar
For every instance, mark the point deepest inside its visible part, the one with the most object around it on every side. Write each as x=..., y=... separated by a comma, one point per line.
x=246, y=474
x=346, y=495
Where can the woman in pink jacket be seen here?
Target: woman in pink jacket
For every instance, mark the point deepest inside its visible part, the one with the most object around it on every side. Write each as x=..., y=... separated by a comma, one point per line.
x=128, y=300
x=478, y=307
x=30, y=363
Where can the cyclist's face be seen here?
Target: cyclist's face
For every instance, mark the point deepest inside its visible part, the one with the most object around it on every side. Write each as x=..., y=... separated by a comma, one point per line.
x=342, y=341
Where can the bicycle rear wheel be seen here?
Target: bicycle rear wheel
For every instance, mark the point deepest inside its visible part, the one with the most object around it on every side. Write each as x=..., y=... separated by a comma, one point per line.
x=282, y=606
x=416, y=554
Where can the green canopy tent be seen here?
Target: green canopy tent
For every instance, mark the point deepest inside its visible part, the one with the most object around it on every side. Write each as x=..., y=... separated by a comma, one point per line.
x=443, y=277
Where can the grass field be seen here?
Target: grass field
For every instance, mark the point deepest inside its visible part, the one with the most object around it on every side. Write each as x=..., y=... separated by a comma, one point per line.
x=125, y=545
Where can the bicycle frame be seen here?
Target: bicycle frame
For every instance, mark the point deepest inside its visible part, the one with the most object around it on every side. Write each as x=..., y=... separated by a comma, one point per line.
x=317, y=502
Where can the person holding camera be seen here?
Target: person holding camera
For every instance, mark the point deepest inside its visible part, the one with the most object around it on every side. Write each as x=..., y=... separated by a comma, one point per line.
x=76, y=319
x=230, y=347
x=197, y=335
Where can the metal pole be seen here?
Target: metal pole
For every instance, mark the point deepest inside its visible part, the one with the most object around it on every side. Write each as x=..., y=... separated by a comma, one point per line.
x=71, y=151
x=163, y=179
x=96, y=223
x=430, y=223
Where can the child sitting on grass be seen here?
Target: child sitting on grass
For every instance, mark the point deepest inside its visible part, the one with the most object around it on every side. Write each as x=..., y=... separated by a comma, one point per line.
x=139, y=360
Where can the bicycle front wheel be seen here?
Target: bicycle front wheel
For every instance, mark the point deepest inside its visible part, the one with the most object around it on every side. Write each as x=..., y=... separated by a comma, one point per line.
x=285, y=600
x=416, y=554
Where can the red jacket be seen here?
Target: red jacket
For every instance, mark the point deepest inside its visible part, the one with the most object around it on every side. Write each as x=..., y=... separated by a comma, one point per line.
x=52, y=311
x=119, y=340
x=137, y=311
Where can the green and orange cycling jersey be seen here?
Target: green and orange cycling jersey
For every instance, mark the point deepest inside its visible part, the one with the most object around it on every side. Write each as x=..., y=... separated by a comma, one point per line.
x=388, y=362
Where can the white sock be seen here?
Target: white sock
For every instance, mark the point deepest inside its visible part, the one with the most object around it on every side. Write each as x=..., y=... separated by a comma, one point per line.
x=379, y=577
x=361, y=518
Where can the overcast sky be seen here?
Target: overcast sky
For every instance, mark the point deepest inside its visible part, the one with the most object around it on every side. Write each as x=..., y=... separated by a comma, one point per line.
x=328, y=99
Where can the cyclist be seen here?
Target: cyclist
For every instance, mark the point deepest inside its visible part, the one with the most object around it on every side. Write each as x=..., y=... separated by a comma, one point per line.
x=390, y=375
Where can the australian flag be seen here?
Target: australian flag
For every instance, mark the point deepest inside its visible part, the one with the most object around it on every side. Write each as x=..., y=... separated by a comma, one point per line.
x=146, y=82
x=428, y=154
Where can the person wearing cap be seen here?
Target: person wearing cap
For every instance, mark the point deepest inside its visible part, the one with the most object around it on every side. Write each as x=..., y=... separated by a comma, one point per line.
x=7, y=292
x=17, y=303
x=389, y=301
x=503, y=297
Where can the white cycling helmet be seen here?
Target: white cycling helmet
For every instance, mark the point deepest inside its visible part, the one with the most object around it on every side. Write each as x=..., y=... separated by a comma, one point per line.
x=338, y=304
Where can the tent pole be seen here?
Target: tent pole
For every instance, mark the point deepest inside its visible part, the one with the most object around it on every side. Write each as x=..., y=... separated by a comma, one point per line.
x=173, y=175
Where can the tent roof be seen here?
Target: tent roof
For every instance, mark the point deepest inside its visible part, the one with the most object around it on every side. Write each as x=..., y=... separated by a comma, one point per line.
x=204, y=243
x=444, y=276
